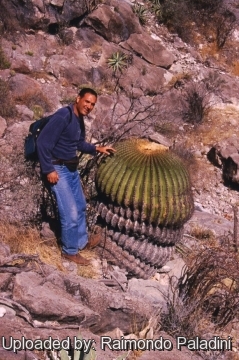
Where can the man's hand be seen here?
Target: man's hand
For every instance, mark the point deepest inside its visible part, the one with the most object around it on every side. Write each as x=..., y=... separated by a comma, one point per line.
x=52, y=177
x=105, y=149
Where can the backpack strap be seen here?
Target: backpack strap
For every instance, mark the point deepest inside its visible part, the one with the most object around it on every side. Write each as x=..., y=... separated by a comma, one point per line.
x=71, y=114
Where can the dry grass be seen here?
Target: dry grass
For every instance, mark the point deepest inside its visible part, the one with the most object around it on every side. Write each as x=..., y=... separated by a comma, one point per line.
x=27, y=240
x=34, y=97
x=201, y=233
x=235, y=68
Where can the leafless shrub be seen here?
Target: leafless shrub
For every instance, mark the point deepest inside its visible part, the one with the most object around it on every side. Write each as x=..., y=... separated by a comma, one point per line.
x=197, y=98
x=208, y=6
x=195, y=103
x=211, y=281
x=20, y=190
x=7, y=108
x=205, y=297
x=225, y=24
x=132, y=118
x=91, y=4
x=179, y=320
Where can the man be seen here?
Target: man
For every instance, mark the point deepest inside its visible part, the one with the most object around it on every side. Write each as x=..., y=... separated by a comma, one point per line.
x=57, y=144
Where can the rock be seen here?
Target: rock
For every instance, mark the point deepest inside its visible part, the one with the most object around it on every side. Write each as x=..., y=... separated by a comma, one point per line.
x=149, y=291
x=198, y=206
x=46, y=301
x=23, y=87
x=2, y=311
x=114, y=23
x=222, y=150
x=44, y=14
x=229, y=89
x=167, y=353
x=231, y=167
x=4, y=251
x=176, y=267
x=115, y=307
x=5, y=280
x=149, y=49
x=21, y=355
x=46, y=231
x=161, y=139
x=17, y=132
x=148, y=78
x=219, y=225
x=64, y=65
x=225, y=154
x=115, y=333
x=3, y=126
x=24, y=113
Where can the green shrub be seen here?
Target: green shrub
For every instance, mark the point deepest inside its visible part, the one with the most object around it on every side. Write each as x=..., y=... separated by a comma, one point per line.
x=118, y=61
x=4, y=63
x=141, y=12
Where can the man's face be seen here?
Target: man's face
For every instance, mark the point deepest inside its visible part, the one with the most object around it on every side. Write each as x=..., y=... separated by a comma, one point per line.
x=85, y=104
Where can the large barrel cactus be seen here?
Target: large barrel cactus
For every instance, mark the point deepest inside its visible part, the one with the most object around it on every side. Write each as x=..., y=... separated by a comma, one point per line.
x=144, y=199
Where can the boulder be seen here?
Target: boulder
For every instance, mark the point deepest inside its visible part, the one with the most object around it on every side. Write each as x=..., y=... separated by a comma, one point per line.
x=72, y=65
x=44, y=14
x=141, y=75
x=24, y=113
x=231, y=167
x=47, y=301
x=16, y=134
x=116, y=308
x=149, y=49
x=204, y=220
x=225, y=154
x=222, y=150
x=150, y=291
x=114, y=23
x=23, y=87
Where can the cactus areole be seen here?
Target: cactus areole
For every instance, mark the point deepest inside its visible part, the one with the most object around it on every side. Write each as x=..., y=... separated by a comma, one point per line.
x=146, y=182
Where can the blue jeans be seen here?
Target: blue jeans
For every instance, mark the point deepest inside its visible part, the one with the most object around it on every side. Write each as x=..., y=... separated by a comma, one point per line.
x=71, y=207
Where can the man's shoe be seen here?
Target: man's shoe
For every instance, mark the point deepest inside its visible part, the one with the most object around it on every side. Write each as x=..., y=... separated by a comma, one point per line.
x=77, y=258
x=94, y=240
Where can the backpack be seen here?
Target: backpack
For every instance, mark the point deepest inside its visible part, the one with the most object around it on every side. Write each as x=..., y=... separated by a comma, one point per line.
x=30, y=144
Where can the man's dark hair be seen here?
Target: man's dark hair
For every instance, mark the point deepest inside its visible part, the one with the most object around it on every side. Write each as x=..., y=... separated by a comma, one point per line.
x=87, y=91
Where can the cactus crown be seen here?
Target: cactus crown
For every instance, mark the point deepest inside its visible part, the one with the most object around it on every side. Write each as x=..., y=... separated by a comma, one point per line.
x=148, y=179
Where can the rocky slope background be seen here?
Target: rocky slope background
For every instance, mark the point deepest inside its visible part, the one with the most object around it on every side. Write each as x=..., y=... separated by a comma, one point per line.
x=162, y=71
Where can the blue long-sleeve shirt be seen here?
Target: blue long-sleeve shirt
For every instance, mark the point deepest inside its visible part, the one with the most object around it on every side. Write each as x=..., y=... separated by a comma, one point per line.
x=61, y=137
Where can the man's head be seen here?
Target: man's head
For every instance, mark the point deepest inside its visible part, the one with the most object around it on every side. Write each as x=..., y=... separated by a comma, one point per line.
x=85, y=101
